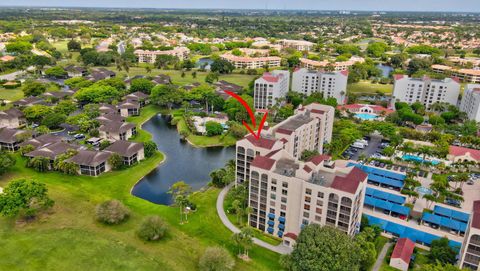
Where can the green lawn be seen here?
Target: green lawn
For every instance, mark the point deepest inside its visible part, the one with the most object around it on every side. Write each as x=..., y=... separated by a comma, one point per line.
x=68, y=237
x=11, y=94
x=367, y=87
x=239, y=79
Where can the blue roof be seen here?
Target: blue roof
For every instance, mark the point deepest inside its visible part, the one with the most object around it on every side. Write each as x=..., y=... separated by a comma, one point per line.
x=378, y=203
x=450, y=213
x=404, y=231
x=445, y=222
x=386, y=181
x=380, y=172
x=385, y=195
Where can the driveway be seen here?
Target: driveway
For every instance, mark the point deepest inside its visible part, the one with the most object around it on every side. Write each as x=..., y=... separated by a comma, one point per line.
x=381, y=256
x=11, y=76
x=373, y=147
x=281, y=249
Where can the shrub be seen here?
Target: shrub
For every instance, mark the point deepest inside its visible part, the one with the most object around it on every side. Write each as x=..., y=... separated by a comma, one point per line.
x=216, y=259
x=111, y=212
x=153, y=228
x=116, y=161
x=150, y=148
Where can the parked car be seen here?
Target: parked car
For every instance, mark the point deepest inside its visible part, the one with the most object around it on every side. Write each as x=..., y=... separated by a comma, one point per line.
x=453, y=202
x=79, y=136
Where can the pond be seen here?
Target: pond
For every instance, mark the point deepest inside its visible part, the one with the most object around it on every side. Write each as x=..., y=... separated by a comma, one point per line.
x=183, y=163
x=204, y=61
x=385, y=70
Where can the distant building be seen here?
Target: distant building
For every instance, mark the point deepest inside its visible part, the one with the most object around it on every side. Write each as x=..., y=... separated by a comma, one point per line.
x=269, y=88
x=299, y=45
x=425, y=90
x=151, y=56
x=244, y=62
x=131, y=152
x=337, y=66
x=12, y=118
x=75, y=71
x=330, y=84
x=466, y=75
x=461, y=154
x=91, y=163
x=117, y=130
x=470, y=103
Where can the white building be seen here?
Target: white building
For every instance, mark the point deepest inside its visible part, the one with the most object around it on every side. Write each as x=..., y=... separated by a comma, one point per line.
x=330, y=84
x=299, y=45
x=245, y=62
x=270, y=87
x=150, y=56
x=471, y=102
x=425, y=90
x=470, y=254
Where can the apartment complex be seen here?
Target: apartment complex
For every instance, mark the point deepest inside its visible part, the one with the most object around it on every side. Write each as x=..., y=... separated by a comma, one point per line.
x=330, y=84
x=308, y=129
x=299, y=45
x=466, y=75
x=425, y=90
x=246, y=62
x=470, y=253
x=145, y=56
x=286, y=194
x=470, y=103
x=270, y=87
x=336, y=66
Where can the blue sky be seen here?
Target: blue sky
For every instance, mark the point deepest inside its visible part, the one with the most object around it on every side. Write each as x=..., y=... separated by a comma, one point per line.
x=398, y=5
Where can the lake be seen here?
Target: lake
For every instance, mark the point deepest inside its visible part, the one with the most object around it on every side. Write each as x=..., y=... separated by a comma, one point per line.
x=203, y=61
x=385, y=70
x=183, y=163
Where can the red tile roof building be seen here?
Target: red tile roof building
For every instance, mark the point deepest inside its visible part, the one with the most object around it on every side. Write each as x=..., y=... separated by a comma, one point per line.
x=402, y=253
x=456, y=154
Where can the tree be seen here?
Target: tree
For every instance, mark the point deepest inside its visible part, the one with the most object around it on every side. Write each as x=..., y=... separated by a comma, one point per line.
x=153, y=228
x=440, y=251
x=73, y=45
x=221, y=66
x=439, y=267
x=180, y=192
x=213, y=128
x=216, y=259
x=293, y=61
x=97, y=94
x=142, y=84
x=188, y=64
x=53, y=120
x=63, y=165
x=323, y=248
x=163, y=61
x=56, y=72
x=166, y=95
x=33, y=88
x=65, y=107
x=36, y=113
x=211, y=77
x=150, y=148
x=39, y=163
x=19, y=47
x=243, y=240
x=24, y=197
x=6, y=161
x=377, y=49
x=111, y=212
x=116, y=161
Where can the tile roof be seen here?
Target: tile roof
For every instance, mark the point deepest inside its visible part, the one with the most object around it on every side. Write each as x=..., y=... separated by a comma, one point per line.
x=317, y=159
x=116, y=127
x=8, y=135
x=89, y=158
x=403, y=250
x=129, y=104
x=137, y=95
x=291, y=235
x=112, y=116
x=476, y=214
x=262, y=162
x=11, y=113
x=262, y=142
x=460, y=151
x=125, y=148
x=42, y=140
x=350, y=182
x=52, y=150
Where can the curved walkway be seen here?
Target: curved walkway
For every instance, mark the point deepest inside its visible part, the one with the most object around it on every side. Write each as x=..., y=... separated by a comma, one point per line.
x=282, y=249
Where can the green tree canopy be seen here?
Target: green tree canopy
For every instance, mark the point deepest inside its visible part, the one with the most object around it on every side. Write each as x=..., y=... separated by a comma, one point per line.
x=24, y=197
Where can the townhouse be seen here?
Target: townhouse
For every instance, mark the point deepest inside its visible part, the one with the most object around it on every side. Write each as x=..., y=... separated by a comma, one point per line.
x=12, y=118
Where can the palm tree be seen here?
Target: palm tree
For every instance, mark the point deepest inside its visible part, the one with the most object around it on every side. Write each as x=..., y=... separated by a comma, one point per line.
x=430, y=199
x=424, y=151
x=243, y=240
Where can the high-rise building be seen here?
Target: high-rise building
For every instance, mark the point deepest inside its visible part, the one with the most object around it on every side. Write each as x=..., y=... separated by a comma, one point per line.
x=270, y=87
x=425, y=90
x=471, y=102
x=330, y=84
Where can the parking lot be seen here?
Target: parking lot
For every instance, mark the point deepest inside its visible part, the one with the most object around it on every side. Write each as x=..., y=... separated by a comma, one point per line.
x=373, y=147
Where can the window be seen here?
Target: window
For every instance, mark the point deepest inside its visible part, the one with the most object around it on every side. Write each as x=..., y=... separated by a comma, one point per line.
x=285, y=184
x=320, y=195
x=308, y=191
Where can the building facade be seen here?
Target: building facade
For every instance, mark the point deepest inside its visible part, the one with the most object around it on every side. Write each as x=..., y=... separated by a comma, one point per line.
x=425, y=90
x=470, y=103
x=270, y=87
x=145, y=56
x=330, y=84
x=245, y=62
x=470, y=253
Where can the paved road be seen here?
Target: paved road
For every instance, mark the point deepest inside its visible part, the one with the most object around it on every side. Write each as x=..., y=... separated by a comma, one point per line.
x=11, y=76
x=381, y=256
x=282, y=249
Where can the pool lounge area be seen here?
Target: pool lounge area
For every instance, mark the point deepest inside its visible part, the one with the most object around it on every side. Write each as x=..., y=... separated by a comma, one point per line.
x=418, y=159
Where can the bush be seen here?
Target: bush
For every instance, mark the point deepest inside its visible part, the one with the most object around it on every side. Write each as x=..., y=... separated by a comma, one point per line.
x=216, y=259
x=150, y=148
x=111, y=212
x=153, y=228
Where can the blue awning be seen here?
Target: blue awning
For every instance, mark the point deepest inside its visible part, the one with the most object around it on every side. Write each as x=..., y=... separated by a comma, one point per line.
x=281, y=219
x=393, y=207
x=385, y=195
x=450, y=213
x=399, y=209
x=271, y=223
x=270, y=230
x=281, y=226
x=272, y=216
x=280, y=233
x=445, y=222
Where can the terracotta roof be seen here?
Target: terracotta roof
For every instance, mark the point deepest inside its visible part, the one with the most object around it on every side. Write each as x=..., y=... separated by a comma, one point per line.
x=125, y=148
x=350, y=182
x=403, y=250
x=398, y=76
x=344, y=72
x=263, y=162
x=460, y=151
x=307, y=169
x=476, y=214
x=317, y=159
x=270, y=77
x=262, y=142
x=291, y=235
x=284, y=131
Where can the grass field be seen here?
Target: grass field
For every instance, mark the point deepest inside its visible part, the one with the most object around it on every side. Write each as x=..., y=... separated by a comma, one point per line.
x=366, y=87
x=68, y=237
x=11, y=94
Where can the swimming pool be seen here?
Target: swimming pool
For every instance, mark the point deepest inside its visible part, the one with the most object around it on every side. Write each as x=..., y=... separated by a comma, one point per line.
x=422, y=190
x=409, y=157
x=366, y=116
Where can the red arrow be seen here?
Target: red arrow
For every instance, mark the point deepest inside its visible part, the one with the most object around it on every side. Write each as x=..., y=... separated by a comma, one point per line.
x=252, y=116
